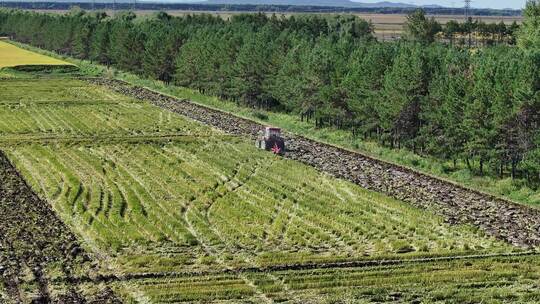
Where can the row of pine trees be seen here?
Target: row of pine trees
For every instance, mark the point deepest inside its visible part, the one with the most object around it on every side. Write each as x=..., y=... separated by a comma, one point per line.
x=477, y=106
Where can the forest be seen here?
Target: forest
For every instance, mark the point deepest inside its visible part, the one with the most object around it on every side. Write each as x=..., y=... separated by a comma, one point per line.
x=479, y=106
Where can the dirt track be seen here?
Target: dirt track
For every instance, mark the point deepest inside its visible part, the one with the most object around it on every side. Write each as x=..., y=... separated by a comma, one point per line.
x=517, y=224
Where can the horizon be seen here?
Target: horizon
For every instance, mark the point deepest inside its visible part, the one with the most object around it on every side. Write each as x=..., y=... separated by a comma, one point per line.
x=495, y=4
x=479, y=4
x=457, y=4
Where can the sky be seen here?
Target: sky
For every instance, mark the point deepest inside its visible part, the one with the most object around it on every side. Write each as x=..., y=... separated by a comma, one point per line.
x=516, y=4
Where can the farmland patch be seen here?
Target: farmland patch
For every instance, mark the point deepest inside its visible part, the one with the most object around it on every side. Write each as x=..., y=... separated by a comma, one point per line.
x=180, y=194
x=517, y=224
x=15, y=57
x=172, y=210
x=38, y=253
x=466, y=280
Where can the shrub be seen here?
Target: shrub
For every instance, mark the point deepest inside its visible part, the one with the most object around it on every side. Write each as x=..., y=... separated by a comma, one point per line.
x=260, y=115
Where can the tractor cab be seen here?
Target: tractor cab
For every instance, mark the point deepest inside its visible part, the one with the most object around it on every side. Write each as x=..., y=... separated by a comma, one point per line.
x=270, y=140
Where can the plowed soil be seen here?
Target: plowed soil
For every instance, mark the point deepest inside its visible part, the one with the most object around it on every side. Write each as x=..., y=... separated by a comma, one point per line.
x=33, y=242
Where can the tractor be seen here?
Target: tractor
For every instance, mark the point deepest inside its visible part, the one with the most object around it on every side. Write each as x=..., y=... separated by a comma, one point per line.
x=271, y=140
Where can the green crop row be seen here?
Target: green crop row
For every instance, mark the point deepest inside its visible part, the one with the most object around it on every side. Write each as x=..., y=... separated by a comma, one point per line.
x=79, y=110
x=493, y=280
x=92, y=120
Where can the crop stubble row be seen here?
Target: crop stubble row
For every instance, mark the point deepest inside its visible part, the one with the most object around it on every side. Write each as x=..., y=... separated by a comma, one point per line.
x=517, y=224
x=317, y=156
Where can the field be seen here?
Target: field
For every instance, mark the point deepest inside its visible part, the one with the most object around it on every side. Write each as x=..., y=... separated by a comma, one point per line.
x=12, y=56
x=171, y=211
x=387, y=26
x=485, y=281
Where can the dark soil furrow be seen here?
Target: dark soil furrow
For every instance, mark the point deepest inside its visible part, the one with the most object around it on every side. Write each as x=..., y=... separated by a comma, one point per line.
x=505, y=220
x=33, y=237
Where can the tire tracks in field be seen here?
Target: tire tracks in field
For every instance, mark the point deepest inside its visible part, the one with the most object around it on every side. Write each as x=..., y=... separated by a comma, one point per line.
x=217, y=253
x=325, y=159
x=108, y=139
x=374, y=263
x=514, y=223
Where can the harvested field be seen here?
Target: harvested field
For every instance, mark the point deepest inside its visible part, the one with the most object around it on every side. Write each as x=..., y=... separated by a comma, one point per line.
x=81, y=110
x=517, y=224
x=460, y=281
x=12, y=56
x=203, y=193
x=170, y=210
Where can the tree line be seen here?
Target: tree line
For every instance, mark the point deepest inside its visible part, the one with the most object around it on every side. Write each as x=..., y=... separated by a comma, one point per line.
x=477, y=106
x=307, y=7
x=419, y=27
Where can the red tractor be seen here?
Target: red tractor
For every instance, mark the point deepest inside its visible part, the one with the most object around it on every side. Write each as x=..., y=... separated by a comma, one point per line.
x=271, y=140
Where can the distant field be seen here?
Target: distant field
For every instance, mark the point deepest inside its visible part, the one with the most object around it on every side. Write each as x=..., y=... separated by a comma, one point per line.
x=385, y=24
x=388, y=25
x=12, y=56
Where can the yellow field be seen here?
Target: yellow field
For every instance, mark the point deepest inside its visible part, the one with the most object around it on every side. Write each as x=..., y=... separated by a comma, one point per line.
x=12, y=56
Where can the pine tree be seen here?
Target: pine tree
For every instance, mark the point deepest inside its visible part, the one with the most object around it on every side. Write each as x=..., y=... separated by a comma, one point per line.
x=364, y=83
x=405, y=84
x=251, y=67
x=443, y=131
x=421, y=29
x=529, y=33
x=159, y=54
x=100, y=44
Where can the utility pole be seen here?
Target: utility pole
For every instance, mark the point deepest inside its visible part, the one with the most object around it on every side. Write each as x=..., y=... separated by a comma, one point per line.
x=467, y=19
